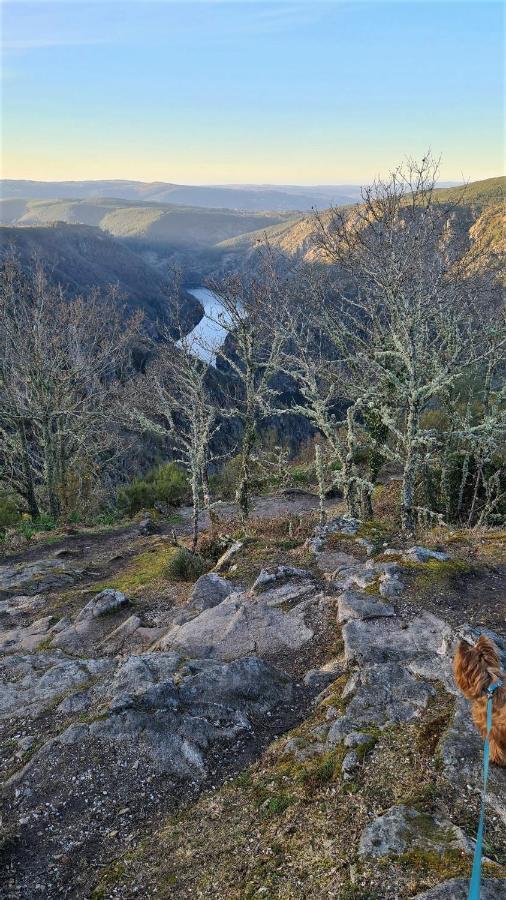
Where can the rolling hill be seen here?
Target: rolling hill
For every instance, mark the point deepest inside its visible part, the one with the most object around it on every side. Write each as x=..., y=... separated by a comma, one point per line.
x=170, y=225
x=250, y=198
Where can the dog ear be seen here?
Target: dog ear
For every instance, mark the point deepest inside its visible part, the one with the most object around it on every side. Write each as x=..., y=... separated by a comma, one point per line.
x=470, y=673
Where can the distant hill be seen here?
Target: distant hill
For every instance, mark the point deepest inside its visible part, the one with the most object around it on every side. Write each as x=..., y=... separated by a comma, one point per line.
x=482, y=215
x=249, y=198
x=80, y=257
x=171, y=225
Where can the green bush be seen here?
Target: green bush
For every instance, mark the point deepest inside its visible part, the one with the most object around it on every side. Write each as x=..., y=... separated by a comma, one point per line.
x=9, y=512
x=162, y=484
x=29, y=527
x=186, y=565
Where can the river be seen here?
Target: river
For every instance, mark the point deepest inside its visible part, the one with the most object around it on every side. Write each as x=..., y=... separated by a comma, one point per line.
x=208, y=335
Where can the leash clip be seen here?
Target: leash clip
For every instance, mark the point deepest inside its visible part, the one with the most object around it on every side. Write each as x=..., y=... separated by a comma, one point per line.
x=492, y=688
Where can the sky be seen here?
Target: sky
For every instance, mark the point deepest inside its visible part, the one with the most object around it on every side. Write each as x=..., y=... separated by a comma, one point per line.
x=286, y=92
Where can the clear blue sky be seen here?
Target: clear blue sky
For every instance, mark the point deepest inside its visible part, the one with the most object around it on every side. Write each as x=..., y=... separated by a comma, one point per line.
x=285, y=92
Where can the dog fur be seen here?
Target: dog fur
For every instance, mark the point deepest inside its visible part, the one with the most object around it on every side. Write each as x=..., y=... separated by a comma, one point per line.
x=475, y=669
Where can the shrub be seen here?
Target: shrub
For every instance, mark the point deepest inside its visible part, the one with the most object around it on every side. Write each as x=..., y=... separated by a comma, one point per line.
x=9, y=512
x=186, y=565
x=162, y=484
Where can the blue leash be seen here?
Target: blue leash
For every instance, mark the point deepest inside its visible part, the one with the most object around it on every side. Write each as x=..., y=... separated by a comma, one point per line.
x=474, y=885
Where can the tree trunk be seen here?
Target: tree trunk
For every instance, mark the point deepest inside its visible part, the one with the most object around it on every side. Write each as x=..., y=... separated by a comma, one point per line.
x=206, y=488
x=320, y=474
x=29, y=493
x=49, y=466
x=409, y=474
x=366, y=510
x=243, y=491
x=195, y=516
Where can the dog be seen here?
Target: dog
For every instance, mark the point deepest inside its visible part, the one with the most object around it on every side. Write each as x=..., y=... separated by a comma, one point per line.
x=476, y=667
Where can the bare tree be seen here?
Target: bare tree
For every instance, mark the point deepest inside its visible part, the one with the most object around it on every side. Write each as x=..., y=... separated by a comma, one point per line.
x=60, y=361
x=401, y=314
x=250, y=356
x=173, y=400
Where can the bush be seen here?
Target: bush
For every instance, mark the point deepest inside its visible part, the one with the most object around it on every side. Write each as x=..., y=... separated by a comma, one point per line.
x=9, y=512
x=162, y=484
x=186, y=565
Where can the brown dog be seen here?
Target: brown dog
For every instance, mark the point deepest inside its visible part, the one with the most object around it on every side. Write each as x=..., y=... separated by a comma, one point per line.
x=476, y=668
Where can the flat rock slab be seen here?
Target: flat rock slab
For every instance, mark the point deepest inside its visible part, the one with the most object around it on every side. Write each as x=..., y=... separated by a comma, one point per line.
x=35, y=577
x=381, y=640
x=458, y=889
x=352, y=605
x=423, y=554
x=380, y=695
x=30, y=683
x=26, y=639
x=332, y=561
x=239, y=626
x=402, y=828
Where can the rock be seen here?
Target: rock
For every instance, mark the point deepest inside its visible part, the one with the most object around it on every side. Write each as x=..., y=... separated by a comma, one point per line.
x=210, y=590
x=239, y=626
x=130, y=637
x=423, y=554
x=147, y=526
x=224, y=560
x=390, y=585
x=332, y=561
x=30, y=683
x=357, y=739
x=103, y=604
x=29, y=638
x=35, y=577
x=360, y=576
x=281, y=574
x=175, y=722
x=340, y=525
x=458, y=889
x=352, y=605
x=401, y=829
x=320, y=678
x=350, y=763
x=380, y=695
x=380, y=640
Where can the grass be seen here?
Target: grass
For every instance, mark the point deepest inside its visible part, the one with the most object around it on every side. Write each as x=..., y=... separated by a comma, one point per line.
x=146, y=569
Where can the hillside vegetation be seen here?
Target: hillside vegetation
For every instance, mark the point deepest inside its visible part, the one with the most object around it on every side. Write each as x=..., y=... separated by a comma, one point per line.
x=482, y=216
x=178, y=226
x=81, y=258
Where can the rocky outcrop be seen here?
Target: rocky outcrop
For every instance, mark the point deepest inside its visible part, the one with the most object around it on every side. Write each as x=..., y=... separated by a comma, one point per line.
x=402, y=828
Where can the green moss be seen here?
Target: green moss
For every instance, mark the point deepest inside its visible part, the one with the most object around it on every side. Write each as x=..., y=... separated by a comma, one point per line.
x=145, y=569
x=435, y=570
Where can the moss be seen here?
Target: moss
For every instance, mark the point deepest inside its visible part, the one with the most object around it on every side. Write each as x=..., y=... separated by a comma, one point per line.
x=145, y=569
x=435, y=570
x=450, y=864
